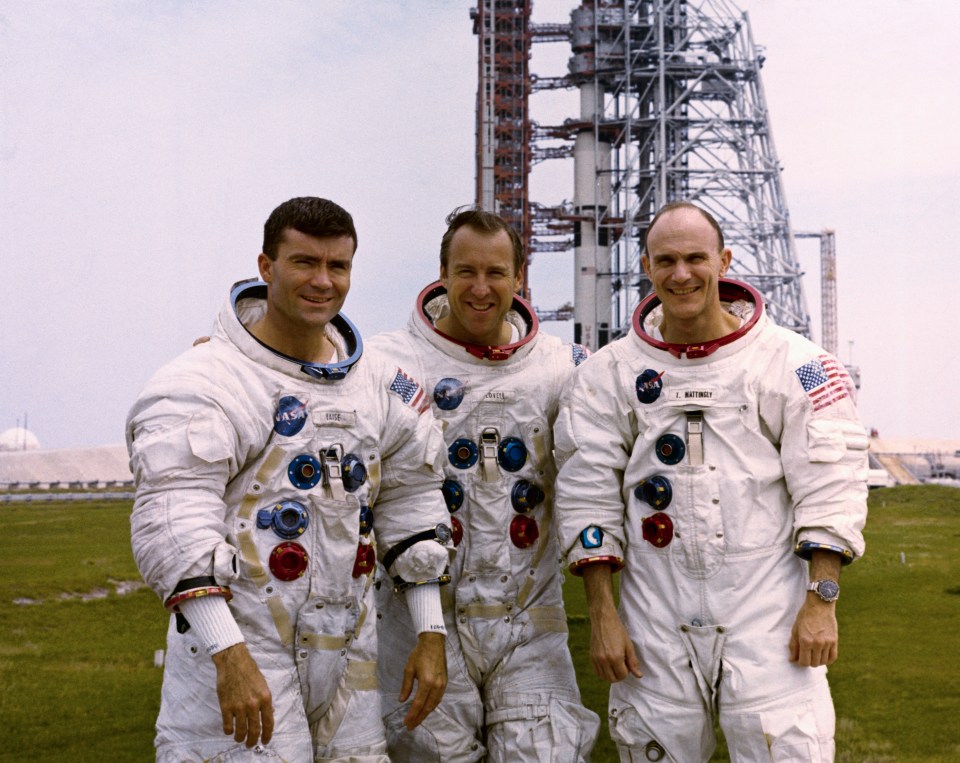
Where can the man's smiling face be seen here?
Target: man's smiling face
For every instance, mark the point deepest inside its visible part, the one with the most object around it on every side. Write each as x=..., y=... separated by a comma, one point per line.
x=481, y=280
x=684, y=261
x=309, y=280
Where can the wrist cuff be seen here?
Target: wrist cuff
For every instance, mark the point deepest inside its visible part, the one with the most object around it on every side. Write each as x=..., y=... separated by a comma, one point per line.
x=212, y=621
x=195, y=588
x=423, y=601
x=615, y=563
x=805, y=549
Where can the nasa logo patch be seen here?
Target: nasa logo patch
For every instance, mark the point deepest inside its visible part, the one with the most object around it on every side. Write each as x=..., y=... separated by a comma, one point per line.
x=591, y=537
x=649, y=386
x=448, y=393
x=290, y=417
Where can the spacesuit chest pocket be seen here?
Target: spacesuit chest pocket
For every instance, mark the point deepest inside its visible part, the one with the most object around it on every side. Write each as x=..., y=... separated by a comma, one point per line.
x=488, y=524
x=828, y=440
x=335, y=535
x=325, y=629
x=699, y=521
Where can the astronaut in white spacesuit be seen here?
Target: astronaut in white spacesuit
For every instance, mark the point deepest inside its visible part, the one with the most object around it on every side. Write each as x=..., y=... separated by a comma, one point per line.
x=270, y=463
x=719, y=461
x=494, y=381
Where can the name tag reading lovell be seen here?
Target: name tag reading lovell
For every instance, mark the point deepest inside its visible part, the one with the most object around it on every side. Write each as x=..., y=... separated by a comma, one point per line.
x=499, y=396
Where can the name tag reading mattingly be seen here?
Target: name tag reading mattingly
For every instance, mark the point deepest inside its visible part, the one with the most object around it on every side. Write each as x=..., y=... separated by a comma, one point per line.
x=691, y=395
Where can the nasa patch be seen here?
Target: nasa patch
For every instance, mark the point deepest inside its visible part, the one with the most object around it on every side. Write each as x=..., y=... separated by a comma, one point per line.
x=448, y=393
x=591, y=537
x=649, y=386
x=290, y=417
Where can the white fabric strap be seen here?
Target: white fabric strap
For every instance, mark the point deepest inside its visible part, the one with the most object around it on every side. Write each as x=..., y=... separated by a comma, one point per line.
x=423, y=601
x=695, y=437
x=212, y=621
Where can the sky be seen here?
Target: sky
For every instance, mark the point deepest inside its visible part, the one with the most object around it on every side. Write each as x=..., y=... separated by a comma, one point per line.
x=143, y=144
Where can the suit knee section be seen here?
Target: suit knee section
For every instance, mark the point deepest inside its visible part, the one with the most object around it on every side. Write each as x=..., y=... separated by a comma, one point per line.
x=565, y=728
x=440, y=738
x=799, y=729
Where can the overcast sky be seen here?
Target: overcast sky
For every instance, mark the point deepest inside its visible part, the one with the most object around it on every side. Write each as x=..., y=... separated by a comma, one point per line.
x=143, y=144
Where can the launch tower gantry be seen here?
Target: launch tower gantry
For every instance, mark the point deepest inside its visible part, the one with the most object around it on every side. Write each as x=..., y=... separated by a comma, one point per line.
x=671, y=107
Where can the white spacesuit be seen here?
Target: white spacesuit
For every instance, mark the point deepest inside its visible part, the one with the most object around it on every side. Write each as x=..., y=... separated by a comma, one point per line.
x=511, y=692
x=259, y=477
x=706, y=473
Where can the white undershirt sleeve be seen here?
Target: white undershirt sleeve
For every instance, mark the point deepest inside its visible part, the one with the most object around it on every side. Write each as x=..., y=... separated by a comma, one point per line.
x=212, y=621
x=423, y=601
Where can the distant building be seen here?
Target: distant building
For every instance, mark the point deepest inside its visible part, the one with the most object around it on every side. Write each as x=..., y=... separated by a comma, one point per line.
x=915, y=460
x=18, y=438
x=104, y=470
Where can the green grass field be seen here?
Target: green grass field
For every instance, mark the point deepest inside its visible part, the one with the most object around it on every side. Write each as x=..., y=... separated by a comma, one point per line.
x=77, y=681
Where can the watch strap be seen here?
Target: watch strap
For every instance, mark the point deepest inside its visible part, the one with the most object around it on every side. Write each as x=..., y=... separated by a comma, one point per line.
x=441, y=533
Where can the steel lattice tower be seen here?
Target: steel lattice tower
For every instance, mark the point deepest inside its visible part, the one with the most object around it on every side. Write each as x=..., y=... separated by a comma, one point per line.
x=671, y=107
x=504, y=140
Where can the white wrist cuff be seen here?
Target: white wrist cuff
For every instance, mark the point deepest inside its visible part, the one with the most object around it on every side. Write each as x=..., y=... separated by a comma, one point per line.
x=423, y=601
x=212, y=621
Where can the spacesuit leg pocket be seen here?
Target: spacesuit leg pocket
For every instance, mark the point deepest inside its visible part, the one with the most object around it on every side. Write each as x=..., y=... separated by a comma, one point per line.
x=799, y=731
x=652, y=729
x=323, y=630
x=573, y=731
x=452, y=732
x=440, y=738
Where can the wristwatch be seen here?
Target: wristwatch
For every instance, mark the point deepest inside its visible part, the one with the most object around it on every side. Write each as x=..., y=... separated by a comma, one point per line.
x=828, y=590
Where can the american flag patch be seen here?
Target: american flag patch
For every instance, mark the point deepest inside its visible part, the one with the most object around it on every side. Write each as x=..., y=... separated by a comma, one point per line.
x=409, y=391
x=824, y=380
x=579, y=353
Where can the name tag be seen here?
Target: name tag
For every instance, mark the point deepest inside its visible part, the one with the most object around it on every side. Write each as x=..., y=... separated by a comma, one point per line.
x=342, y=419
x=691, y=395
x=497, y=397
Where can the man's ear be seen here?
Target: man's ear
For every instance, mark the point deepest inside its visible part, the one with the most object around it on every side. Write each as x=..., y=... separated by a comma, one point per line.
x=726, y=255
x=265, y=266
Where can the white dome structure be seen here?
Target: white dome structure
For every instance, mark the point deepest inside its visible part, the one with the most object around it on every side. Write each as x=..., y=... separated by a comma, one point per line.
x=18, y=438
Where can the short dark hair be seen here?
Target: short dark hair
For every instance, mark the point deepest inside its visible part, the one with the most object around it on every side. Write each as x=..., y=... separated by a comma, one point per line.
x=674, y=205
x=310, y=215
x=482, y=222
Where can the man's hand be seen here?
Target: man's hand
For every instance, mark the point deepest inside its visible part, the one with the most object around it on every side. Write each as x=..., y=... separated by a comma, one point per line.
x=245, y=699
x=611, y=650
x=815, y=637
x=427, y=665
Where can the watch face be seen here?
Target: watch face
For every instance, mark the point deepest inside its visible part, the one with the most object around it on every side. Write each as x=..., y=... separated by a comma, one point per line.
x=828, y=590
x=443, y=533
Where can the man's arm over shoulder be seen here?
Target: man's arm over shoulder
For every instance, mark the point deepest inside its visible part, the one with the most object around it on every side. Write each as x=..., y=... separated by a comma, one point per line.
x=396, y=348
